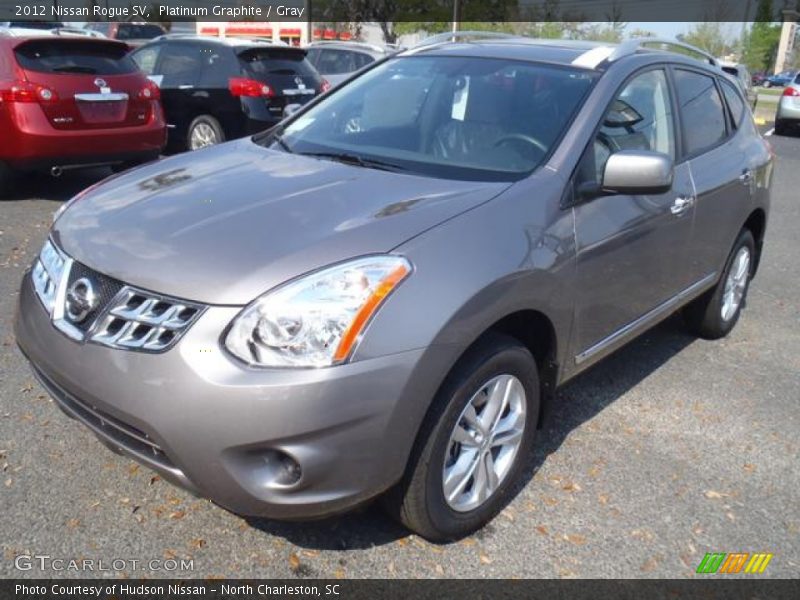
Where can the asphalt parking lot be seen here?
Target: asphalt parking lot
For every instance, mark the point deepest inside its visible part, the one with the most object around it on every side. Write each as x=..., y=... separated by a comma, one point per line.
x=669, y=449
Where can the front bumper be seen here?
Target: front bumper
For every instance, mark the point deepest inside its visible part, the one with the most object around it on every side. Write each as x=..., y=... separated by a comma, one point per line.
x=209, y=424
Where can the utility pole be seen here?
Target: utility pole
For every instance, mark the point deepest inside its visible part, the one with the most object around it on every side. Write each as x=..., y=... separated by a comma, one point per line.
x=786, y=45
x=456, y=14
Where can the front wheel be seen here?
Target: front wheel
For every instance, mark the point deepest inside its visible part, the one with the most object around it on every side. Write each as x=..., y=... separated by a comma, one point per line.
x=204, y=131
x=6, y=176
x=714, y=314
x=474, y=444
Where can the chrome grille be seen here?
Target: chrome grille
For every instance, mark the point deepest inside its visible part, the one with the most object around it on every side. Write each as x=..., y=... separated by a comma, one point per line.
x=121, y=316
x=140, y=320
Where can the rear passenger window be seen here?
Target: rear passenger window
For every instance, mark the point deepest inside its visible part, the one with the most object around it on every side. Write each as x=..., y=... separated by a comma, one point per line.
x=180, y=64
x=735, y=102
x=701, y=110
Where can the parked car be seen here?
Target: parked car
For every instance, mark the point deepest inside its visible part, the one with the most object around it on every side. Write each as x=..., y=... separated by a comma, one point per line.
x=758, y=78
x=132, y=33
x=742, y=76
x=379, y=295
x=68, y=101
x=336, y=61
x=217, y=89
x=780, y=79
x=39, y=25
x=787, y=117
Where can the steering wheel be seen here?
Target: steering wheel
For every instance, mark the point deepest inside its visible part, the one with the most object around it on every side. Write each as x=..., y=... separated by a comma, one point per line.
x=521, y=137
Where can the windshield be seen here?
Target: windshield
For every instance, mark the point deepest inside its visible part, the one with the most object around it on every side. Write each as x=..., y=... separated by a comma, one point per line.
x=451, y=117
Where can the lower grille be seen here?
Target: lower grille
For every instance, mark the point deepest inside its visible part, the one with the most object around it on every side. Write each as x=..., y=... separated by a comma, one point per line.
x=117, y=432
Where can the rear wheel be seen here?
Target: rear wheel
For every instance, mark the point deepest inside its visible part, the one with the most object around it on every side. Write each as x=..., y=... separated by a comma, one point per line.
x=5, y=179
x=204, y=131
x=714, y=314
x=474, y=444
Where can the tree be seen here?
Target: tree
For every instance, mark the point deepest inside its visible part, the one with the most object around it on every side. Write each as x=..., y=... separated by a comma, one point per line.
x=761, y=43
x=708, y=36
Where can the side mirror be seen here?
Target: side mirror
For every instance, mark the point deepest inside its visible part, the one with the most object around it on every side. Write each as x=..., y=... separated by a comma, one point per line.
x=637, y=172
x=290, y=109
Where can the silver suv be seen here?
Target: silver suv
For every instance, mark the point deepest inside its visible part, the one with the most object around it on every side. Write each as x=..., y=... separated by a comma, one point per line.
x=379, y=295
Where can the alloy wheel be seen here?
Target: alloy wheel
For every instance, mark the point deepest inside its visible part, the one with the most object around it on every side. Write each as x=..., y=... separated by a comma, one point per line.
x=736, y=283
x=484, y=443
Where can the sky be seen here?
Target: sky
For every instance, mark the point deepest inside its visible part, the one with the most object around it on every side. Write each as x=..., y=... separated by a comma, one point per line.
x=670, y=29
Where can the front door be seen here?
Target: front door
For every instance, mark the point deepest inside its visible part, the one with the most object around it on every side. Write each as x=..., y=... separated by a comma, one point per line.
x=631, y=250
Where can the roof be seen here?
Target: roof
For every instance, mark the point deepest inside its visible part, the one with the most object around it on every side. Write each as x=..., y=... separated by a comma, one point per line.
x=578, y=53
x=233, y=41
x=351, y=45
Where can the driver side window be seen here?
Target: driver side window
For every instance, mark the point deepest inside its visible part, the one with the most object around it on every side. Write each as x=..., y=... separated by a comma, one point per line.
x=640, y=118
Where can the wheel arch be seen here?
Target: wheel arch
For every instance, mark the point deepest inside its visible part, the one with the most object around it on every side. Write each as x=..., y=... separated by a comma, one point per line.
x=756, y=223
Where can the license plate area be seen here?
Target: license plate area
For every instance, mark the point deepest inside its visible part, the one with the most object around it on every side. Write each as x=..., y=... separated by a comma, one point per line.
x=102, y=108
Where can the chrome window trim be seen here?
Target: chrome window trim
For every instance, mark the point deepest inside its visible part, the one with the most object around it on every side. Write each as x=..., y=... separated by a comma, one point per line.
x=113, y=97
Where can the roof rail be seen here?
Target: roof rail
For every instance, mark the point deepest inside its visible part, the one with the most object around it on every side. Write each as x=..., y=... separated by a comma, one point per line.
x=629, y=47
x=454, y=36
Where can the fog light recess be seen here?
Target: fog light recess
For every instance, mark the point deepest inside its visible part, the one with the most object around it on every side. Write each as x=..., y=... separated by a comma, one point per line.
x=282, y=469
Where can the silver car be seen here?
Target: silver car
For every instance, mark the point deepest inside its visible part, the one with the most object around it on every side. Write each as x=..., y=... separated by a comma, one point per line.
x=337, y=61
x=787, y=116
x=379, y=296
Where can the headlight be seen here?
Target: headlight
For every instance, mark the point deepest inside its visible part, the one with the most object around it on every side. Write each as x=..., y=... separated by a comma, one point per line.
x=315, y=321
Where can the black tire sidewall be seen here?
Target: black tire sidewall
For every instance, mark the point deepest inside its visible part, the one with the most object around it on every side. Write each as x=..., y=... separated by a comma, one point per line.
x=211, y=122
x=511, y=359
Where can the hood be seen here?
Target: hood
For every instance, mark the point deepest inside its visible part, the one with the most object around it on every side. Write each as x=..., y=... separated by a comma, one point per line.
x=225, y=224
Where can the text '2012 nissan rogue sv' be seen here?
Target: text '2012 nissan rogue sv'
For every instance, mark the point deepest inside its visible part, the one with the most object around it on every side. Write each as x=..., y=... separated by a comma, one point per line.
x=379, y=295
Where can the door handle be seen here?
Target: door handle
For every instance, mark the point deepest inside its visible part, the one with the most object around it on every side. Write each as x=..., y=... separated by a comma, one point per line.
x=681, y=205
x=746, y=176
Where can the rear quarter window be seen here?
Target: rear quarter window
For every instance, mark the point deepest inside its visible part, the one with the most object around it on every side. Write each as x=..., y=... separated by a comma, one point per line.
x=78, y=57
x=735, y=102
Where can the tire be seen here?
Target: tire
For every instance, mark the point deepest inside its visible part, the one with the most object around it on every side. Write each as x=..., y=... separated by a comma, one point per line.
x=204, y=131
x=709, y=316
x=767, y=84
x=418, y=501
x=6, y=175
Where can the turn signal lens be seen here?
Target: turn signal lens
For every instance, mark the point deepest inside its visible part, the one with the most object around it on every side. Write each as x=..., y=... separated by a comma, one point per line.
x=25, y=91
x=150, y=91
x=241, y=86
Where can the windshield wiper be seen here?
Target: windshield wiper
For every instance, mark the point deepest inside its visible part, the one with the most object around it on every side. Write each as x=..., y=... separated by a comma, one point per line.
x=354, y=159
x=282, y=143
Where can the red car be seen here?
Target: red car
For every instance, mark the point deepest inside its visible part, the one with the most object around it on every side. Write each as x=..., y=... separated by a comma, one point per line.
x=67, y=102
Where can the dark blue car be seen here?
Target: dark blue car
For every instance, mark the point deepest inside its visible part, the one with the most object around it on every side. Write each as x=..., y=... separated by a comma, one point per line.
x=779, y=79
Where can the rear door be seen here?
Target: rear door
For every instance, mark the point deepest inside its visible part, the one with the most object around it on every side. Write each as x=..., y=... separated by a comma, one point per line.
x=726, y=154
x=93, y=84
x=720, y=167
x=177, y=72
x=287, y=72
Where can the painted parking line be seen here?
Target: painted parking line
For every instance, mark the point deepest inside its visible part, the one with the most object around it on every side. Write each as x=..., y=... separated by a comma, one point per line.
x=770, y=132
